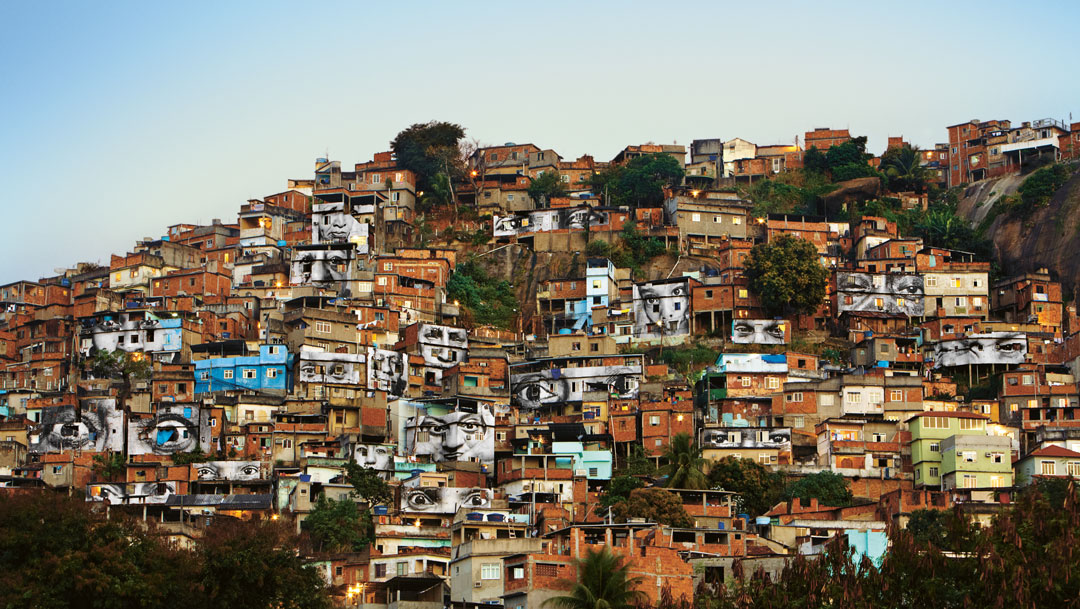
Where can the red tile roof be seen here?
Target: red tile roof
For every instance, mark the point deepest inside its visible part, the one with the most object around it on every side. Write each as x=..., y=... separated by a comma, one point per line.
x=1054, y=451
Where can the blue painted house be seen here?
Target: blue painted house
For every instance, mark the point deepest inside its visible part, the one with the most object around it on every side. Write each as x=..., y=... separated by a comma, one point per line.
x=270, y=370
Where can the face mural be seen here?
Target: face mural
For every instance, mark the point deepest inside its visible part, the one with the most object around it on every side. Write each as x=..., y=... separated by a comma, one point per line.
x=881, y=293
x=443, y=500
x=560, y=385
x=227, y=470
x=134, y=493
x=547, y=220
x=375, y=456
x=990, y=348
x=662, y=309
x=443, y=346
x=329, y=368
x=324, y=266
x=99, y=428
x=174, y=429
x=456, y=436
x=330, y=223
x=387, y=371
x=121, y=332
x=759, y=331
x=747, y=437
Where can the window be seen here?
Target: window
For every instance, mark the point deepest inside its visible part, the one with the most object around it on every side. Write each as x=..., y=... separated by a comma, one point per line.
x=970, y=481
x=1048, y=468
x=971, y=424
x=1027, y=379
x=795, y=397
x=380, y=570
x=968, y=456
x=744, y=381
x=798, y=421
x=854, y=396
x=322, y=327
x=896, y=395
x=708, y=293
x=933, y=473
x=736, y=221
x=743, y=293
x=271, y=373
x=654, y=420
x=204, y=376
x=931, y=281
x=695, y=217
x=773, y=383
x=228, y=374
x=935, y=447
x=249, y=373
x=1073, y=468
x=997, y=457
x=489, y=571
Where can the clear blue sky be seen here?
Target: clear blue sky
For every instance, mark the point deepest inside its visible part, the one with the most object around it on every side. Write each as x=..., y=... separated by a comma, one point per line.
x=119, y=119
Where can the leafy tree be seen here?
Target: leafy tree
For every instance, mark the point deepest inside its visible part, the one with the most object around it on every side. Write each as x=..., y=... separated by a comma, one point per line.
x=903, y=167
x=654, y=505
x=598, y=248
x=488, y=300
x=787, y=275
x=547, y=186
x=108, y=465
x=815, y=161
x=439, y=193
x=619, y=489
x=428, y=149
x=828, y=487
x=928, y=526
x=366, y=483
x=336, y=525
x=603, y=582
x=1040, y=186
x=759, y=488
x=684, y=463
x=638, y=463
x=195, y=456
x=640, y=182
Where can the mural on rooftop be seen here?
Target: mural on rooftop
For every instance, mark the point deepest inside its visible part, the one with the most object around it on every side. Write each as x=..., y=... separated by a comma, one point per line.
x=559, y=385
x=322, y=367
x=173, y=429
x=459, y=435
x=97, y=426
x=989, y=348
x=759, y=331
x=374, y=456
x=443, y=500
x=894, y=293
x=547, y=220
x=662, y=309
x=387, y=371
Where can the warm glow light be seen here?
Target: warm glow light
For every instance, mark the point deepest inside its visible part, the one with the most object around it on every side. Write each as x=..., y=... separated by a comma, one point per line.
x=761, y=220
x=473, y=173
x=417, y=523
x=694, y=193
x=274, y=517
x=680, y=417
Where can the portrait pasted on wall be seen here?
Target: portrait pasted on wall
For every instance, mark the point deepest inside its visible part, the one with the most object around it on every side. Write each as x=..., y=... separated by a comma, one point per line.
x=459, y=435
x=132, y=493
x=322, y=367
x=443, y=346
x=895, y=293
x=387, y=371
x=662, y=308
x=174, y=429
x=443, y=500
x=332, y=223
x=759, y=331
x=120, y=332
x=559, y=385
x=324, y=266
x=747, y=437
x=227, y=470
x=374, y=456
x=97, y=426
x=547, y=220
x=989, y=348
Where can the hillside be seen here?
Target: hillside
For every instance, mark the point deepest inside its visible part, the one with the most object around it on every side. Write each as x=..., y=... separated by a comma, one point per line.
x=1049, y=237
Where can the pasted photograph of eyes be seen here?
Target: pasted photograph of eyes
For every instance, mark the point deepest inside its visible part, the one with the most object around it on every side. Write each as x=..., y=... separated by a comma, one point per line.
x=853, y=282
x=535, y=390
x=433, y=333
x=758, y=331
x=906, y=285
x=476, y=498
x=153, y=492
x=170, y=433
x=422, y=500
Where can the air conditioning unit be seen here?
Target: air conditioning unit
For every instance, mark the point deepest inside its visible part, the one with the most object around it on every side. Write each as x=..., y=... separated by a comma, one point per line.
x=581, y=472
x=477, y=584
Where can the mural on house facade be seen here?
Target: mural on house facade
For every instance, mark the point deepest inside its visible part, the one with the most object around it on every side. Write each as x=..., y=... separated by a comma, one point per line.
x=97, y=426
x=559, y=385
x=322, y=367
x=894, y=293
x=990, y=348
x=174, y=429
x=443, y=500
x=759, y=331
x=458, y=435
x=662, y=309
x=387, y=371
x=547, y=220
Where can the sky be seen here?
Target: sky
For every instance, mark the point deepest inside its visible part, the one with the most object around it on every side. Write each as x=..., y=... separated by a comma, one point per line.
x=120, y=119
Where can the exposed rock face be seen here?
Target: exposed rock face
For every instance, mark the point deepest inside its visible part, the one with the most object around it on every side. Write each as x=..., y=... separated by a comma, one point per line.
x=851, y=191
x=1049, y=237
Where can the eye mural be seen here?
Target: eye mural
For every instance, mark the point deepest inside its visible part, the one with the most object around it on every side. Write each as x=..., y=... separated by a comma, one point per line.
x=443, y=500
x=387, y=371
x=227, y=470
x=989, y=348
x=747, y=437
x=558, y=385
x=98, y=426
x=174, y=429
x=456, y=436
x=133, y=493
x=759, y=331
x=329, y=368
x=662, y=309
x=547, y=220
x=324, y=266
x=374, y=456
x=893, y=293
x=332, y=223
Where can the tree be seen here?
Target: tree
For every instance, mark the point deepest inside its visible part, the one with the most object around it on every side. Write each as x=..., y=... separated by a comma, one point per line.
x=428, y=149
x=640, y=182
x=759, y=488
x=619, y=489
x=125, y=367
x=903, y=167
x=638, y=463
x=684, y=463
x=787, y=275
x=336, y=525
x=366, y=483
x=1040, y=186
x=814, y=161
x=828, y=487
x=603, y=582
x=546, y=186
x=928, y=526
x=488, y=300
x=654, y=505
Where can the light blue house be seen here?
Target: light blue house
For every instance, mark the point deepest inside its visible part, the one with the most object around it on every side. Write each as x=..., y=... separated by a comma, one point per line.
x=869, y=543
x=596, y=464
x=270, y=370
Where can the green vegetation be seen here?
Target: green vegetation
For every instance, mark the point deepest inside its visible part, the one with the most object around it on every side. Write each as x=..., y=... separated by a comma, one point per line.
x=654, y=505
x=903, y=167
x=638, y=183
x=684, y=466
x=685, y=359
x=759, y=488
x=603, y=582
x=841, y=162
x=637, y=463
x=109, y=465
x=619, y=489
x=337, y=525
x=794, y=192
x=787, y=275
x=828, y=487
x=486, y=300
x=429, y=149
x=367, y=484
x=634, y=250
x=1040, y=186
x=547, y=186
x=57, y=553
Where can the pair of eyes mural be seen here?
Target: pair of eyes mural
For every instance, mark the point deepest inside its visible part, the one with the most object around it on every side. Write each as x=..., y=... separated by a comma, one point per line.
x=661, y=309
x=897, y=294
x=556, y=386
x=98, y=426
x=443, y=500
x=990, y=348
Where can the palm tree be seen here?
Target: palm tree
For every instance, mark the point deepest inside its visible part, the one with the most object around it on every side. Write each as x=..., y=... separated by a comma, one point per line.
x=603, y=582
x=904, y=168
x=684, y=464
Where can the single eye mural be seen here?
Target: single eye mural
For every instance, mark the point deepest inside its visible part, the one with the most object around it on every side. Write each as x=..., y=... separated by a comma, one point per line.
x=169, y=432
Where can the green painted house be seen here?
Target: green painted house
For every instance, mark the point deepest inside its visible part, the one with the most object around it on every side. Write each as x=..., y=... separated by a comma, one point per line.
x=936, y=438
